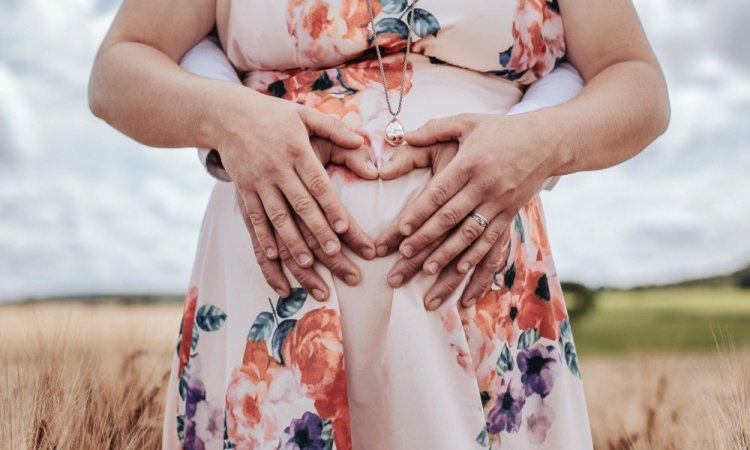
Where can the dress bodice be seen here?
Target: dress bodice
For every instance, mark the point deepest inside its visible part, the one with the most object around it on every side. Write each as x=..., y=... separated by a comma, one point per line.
x=518, y=40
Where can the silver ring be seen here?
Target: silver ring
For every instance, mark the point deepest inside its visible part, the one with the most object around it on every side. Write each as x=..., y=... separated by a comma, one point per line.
x=481, y=220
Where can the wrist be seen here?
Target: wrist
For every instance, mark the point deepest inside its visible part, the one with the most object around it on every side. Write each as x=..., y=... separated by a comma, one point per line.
x=556, y=133
x=227, y=115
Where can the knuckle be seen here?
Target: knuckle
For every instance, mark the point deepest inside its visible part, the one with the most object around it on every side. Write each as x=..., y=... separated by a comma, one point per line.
x=448, y=218
x=469, y=233
x=255, y=217
x=305, y=279
x=492, y=235
x=303, y=204
x=311, y=242
x=449, y=284
x=279, y=217
x=438, y=196
x=318, y=186
x=337, y=266
x=412, y=265
x=284, y=253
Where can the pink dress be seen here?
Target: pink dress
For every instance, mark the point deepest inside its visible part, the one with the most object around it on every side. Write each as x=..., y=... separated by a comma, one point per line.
x=371, y=368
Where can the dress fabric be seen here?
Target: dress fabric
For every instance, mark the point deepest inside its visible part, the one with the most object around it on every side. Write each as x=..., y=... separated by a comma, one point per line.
x=371, y=368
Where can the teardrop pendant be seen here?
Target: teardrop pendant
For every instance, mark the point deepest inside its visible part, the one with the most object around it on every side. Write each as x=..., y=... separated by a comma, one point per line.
x=394, y=132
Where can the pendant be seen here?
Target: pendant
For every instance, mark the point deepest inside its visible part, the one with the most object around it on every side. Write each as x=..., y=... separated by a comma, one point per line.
x=394, y=132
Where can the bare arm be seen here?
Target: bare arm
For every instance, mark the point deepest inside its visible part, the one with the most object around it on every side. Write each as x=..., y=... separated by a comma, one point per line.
x=624, y=105
x=137, y=86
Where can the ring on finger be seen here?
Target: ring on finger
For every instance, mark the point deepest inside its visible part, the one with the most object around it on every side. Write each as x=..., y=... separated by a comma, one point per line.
x=481, y=220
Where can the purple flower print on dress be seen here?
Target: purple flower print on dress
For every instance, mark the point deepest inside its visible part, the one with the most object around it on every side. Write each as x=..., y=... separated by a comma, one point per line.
x=307, y=433
x=196, y=390
x=204, y=420
x=538, y=366
x=505, y=415
x=540, y=420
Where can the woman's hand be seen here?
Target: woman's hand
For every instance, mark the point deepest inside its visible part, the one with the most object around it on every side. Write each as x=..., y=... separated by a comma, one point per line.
x=500, y=163
x=266, y=150
x=358, y=161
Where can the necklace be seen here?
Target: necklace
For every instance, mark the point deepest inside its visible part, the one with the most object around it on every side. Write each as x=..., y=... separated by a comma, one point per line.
x=394, y=131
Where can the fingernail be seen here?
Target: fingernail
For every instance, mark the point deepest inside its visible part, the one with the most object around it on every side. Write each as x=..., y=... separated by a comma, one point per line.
x=271, y=252
x=407, y=250
x=339, y=226
x=382, y=250
x=434, y=303
x=470, y=302
x=304, y=259
x=396, y=280
x=368, y=252
x=351, y=279
x=318, y=294
x=330, y=247
x=371, y=167
x=432, y=267
x=406, y=229
x=464, y=267
x=280, y=292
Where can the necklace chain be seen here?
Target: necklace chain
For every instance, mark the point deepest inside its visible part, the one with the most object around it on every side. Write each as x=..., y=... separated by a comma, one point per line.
x=410, y=15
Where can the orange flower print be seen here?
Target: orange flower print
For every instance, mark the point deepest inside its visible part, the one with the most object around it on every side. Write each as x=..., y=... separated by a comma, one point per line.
x=538, y=41
x=188, y=321
x=314, y=349
x=533, y=210
x=325, y=31
x=265, y=394
x=451, y=321
x=259, y=398
x=542, y=304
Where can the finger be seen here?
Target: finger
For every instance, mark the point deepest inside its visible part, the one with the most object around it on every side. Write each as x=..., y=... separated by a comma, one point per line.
x=437, y=130
x=339, y=265
x=405, y=268
x=439, y=190
x=307, y=277
x=461, y=238
x=271, y=268
x=446, y=218
x=319, y=185
x=330, y=127
x=481, y=279
x=495, y=234
x=446, y=284
x=308, y=209
x=358, y=161
x=406, y=159
x=257, y=223
x=357, y=240
x=280, y=216
x=392, y=237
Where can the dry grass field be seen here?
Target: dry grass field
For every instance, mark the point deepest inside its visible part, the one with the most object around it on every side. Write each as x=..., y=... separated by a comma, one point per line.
x=76, y=376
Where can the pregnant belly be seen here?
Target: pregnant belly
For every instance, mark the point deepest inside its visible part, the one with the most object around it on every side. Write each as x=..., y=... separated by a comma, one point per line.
x=431, y=91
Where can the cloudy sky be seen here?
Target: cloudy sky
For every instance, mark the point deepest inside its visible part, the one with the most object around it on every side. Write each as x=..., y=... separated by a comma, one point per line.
x=85, y=209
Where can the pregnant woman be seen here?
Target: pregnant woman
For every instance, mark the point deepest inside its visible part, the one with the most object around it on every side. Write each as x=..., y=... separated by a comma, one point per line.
x=406, y=297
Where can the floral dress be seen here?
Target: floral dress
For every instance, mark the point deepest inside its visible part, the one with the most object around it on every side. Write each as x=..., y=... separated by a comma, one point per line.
x=371, y=368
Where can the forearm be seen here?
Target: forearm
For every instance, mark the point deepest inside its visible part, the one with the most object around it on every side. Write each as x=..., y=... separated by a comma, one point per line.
x=145, y=94
x=617, y=114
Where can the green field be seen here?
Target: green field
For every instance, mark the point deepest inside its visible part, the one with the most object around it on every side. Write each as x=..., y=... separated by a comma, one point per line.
x=684, y=318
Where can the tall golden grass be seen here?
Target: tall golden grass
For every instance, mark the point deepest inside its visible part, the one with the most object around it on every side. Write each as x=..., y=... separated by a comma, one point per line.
x=76, y=376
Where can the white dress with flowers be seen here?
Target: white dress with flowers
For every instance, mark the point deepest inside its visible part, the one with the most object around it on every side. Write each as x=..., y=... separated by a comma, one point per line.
x=371, y=368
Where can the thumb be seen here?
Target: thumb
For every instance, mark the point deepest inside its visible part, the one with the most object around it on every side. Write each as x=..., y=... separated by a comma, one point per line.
x=435, y=130
x=358, y=161
x=330, y=127
x=405, y=159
